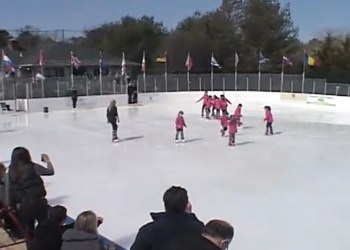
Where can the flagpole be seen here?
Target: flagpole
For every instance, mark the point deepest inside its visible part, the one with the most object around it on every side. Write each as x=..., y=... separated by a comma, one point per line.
x=212, y=73
x=236, y=64
x=42, y=81
x=71, y=70
x=259, y=76
x=166, y=71
x=303, y=75
x=100, y=71
x=188, y=71
x=144, y=71
x=2, y=75
x=282, y=75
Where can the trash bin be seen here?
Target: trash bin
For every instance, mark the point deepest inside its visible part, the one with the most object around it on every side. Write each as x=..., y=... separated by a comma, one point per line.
x=22, y=105
x=46, y=109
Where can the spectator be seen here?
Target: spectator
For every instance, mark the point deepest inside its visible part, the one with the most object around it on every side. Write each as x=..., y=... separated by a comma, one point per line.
x=25, y=188
x=84, y=236
x=217, y=235
x=177, y=218
x=48, y=234
x=2, y=183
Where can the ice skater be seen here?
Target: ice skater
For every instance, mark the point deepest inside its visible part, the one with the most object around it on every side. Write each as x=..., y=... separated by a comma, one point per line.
x=224, y=103
x=217, y=106
x=74, y=98
x=238, y=114
x=180, y=124
x=208, y=105
x=224, y=123
x=113, y=119
x=269, y=120
x=232, y=130
x=204, y=98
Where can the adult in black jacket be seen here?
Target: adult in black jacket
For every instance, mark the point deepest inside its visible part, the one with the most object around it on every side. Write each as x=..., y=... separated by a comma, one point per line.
x=176, y=220
x=74, y=98
x=26, y=189
x=217, y=235
x=48, y=234
x=113, y=118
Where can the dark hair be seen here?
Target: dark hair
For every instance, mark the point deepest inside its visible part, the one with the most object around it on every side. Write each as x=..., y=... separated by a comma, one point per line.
x=268, y=108
x=219, y=229
x=57, y=214
x=20, y=157
x=175, y=200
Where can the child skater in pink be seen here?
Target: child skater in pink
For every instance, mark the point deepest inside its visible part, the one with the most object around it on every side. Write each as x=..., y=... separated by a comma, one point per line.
x=224, y=123
x=238, y=114
x=208, y=105
x=217, y=107
x=224, y=103
x=180, y=124
x=232, y=130
x=204, y=98
x=269, y=120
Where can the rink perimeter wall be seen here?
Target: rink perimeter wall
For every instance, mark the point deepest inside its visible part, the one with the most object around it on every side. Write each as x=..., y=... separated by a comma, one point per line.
x=186, y=100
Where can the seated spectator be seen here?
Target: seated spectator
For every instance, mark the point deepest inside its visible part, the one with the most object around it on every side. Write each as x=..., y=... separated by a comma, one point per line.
x=25, y=188
x=48, y=234
x=84, y=236
x=217, y=235
x=2, y=183
x=177, y=218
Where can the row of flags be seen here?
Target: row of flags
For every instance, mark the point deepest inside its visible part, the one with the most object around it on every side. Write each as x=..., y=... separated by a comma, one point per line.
x=308, y=60
x=76, y=62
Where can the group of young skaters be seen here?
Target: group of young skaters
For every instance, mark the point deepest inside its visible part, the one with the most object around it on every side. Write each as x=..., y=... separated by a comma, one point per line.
x=213, y=108
x=216, y=108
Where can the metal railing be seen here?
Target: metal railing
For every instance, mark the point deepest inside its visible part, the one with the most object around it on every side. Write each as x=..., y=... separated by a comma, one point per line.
x=61, y=87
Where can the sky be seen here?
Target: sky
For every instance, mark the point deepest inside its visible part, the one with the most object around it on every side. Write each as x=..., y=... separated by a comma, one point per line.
x=313, y=17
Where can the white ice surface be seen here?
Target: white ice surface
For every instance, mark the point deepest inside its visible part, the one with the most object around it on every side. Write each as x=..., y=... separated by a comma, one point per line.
x=290, y=191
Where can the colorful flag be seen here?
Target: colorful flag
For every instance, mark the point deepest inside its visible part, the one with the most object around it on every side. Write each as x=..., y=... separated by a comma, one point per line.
x=7, y=62
x=189, y=63
x=213, y=62
x=162, y=59
x=287, y=61
x=236, y=59
x=143, y=64
x=123, y=65
x=262, y=58
x=41, y=58
x=310, y=61
x=74, y=60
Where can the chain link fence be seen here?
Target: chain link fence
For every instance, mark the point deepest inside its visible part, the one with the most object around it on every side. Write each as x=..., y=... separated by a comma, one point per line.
x=18, y=88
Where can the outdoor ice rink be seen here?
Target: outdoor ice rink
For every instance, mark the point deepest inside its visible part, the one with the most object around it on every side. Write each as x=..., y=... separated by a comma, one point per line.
x=288, y=191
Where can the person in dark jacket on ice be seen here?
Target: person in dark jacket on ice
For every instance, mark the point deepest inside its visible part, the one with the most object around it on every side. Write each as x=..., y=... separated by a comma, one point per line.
x=166, y=226
x=113, y=119
x=74, y=98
